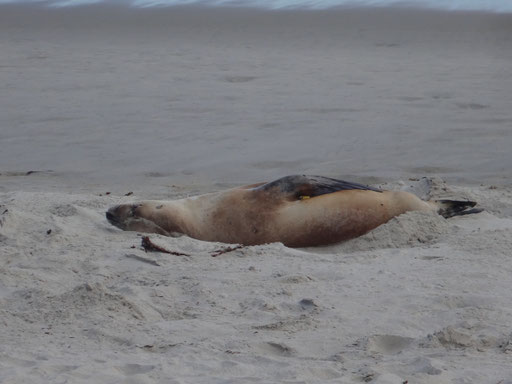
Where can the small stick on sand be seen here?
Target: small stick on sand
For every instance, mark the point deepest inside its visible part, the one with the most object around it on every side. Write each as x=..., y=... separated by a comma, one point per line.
x=219, y=252
x=149, y=246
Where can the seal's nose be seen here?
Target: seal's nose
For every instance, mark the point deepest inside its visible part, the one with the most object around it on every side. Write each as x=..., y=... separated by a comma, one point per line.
x=114, y=215
x=110, y=216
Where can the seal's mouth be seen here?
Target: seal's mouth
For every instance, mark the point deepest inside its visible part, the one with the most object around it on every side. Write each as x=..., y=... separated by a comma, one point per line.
x=125, y=218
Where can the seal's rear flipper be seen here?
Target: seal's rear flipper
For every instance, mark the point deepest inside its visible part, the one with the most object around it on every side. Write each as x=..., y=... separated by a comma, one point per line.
x=450, y=208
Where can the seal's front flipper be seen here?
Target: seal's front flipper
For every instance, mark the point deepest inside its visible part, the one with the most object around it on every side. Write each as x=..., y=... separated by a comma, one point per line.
x=450, y=208
x=300, y=187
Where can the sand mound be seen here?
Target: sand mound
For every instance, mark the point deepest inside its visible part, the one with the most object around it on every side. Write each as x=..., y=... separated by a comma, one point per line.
x=411, y=229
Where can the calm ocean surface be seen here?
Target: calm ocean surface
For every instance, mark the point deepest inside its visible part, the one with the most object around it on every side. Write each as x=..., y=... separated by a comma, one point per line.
x=93, y=97
x=461, y=5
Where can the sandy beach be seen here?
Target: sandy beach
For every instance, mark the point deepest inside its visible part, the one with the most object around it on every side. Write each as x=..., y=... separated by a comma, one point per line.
x=101, y=105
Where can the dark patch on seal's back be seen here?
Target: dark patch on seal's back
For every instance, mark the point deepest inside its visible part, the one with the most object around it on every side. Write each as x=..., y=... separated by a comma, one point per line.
x=296, y=186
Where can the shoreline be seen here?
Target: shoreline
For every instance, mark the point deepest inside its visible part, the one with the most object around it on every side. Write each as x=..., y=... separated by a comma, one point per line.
x=246, y=11
x=48, y=4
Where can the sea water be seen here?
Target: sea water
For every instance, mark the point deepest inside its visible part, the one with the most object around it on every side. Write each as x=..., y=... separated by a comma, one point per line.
x=460, y=5
x=160, y=96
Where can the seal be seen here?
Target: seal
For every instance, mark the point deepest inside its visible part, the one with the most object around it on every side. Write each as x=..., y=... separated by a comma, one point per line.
x=297, y=210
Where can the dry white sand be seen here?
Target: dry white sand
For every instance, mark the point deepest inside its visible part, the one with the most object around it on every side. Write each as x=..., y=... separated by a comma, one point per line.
x=167, y=104
x=420, y=298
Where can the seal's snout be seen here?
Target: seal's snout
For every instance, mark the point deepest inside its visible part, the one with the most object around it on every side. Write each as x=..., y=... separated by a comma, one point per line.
x=110, y=216
x=129, y=217
x=122, y=215
x=115, y=215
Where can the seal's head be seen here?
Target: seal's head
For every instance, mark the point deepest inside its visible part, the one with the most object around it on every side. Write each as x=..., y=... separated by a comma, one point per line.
x=121, y=215
x=131, y=217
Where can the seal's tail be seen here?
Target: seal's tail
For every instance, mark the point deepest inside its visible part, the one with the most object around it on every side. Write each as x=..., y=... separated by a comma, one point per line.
x=450, y=208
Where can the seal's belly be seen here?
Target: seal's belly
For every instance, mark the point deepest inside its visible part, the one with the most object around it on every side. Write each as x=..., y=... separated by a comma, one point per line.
x=332, y=218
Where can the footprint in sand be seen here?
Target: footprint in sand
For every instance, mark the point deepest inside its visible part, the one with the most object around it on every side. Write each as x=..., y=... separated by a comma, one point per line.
x=388, y=344
x=135, y=369
x=275, y=349
x=296, y=279
x=64, y=210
